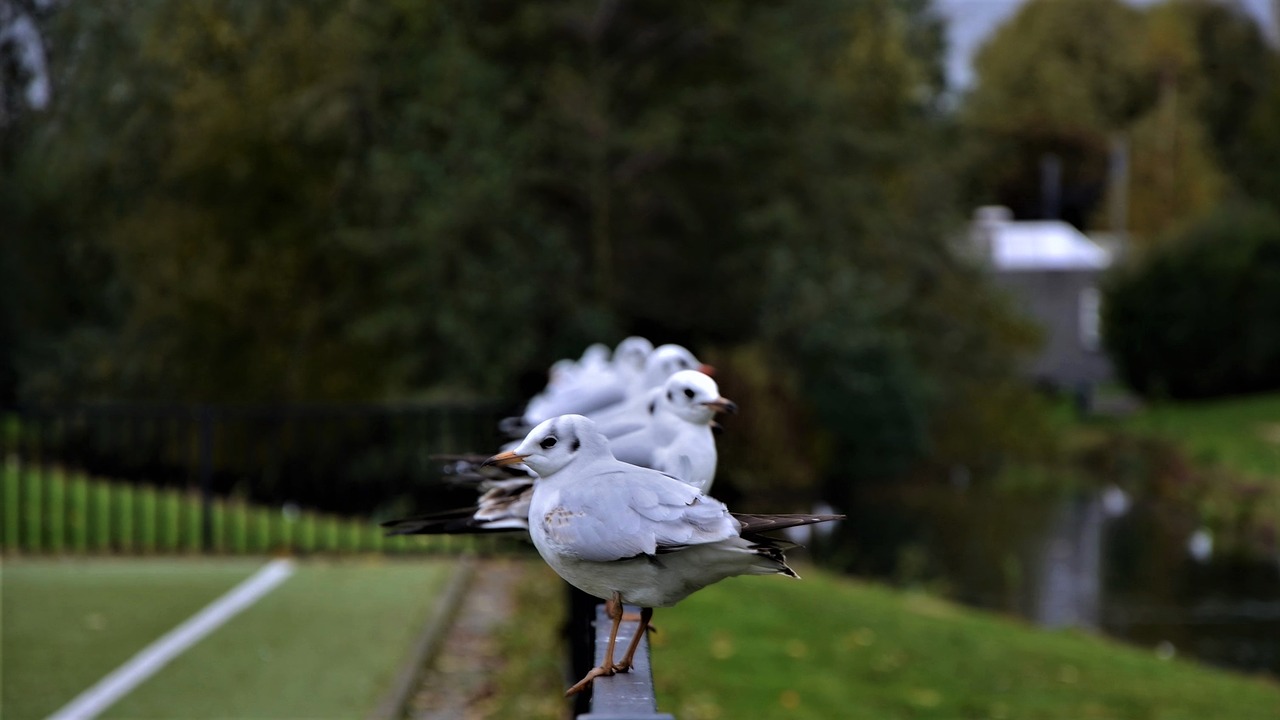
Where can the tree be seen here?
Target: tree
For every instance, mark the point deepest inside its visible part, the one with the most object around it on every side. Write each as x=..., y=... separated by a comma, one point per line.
x=336, y=200
x=1057, y=80
x=1200, y=315
x=1238, y=69
x=1173, y=171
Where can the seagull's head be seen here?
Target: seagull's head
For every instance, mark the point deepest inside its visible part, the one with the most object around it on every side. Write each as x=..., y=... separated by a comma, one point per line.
x=554, y=444
x=667, y=360
x=631, y=353
x=694, y=397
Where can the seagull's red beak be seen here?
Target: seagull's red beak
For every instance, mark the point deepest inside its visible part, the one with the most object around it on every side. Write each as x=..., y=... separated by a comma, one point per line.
x=707, y=370
x=503, y=459
x=722, y=405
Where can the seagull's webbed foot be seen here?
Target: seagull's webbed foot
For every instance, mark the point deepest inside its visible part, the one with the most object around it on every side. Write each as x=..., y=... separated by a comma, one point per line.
x=585, y=682
x=613, y=607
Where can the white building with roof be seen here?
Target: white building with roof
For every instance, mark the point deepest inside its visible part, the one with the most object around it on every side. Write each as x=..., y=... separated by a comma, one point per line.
x=1052, y=271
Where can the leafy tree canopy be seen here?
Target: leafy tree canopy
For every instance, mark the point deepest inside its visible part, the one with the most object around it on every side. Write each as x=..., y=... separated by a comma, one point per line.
x=260, y=199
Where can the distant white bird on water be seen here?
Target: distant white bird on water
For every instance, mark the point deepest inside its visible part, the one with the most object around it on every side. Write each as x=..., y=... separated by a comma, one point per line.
x=632, y=535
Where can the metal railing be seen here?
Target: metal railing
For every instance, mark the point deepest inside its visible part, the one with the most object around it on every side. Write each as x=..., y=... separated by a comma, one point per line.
x=366, y=461
x=624, y=696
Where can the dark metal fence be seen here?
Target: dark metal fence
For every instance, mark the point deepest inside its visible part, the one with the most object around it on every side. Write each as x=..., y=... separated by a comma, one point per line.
x=367, y=461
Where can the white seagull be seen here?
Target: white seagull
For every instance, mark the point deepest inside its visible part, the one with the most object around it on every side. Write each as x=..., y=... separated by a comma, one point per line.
x=628, y=534
x=675, y=435
x=591, y=386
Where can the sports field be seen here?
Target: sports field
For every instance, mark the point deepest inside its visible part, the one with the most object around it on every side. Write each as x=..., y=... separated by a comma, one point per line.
x=325, y=643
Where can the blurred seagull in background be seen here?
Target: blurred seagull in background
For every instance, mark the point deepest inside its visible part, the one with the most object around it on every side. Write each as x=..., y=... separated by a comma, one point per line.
x=673, y=436
x=596, y=384
x=628, y=534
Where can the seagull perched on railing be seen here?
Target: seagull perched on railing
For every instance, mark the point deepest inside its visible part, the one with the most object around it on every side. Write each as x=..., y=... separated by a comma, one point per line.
x=595, y=385
x=628, y=534
x=673, y=435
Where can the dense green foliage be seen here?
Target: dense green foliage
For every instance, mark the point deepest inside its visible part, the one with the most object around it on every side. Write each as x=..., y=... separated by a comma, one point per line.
x=243, y=200
x=246, y=200
x=1201, y=316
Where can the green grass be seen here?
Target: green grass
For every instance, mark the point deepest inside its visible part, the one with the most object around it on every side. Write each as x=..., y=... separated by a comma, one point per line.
x=1242, y=434
x=1221, y=458
x=47, y=510
x=66, y=624
x=323, y=644
x=831, y=647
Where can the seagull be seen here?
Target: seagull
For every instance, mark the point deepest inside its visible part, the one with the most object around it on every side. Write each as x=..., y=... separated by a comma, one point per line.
x=661, y=364
x=594, y=382
x=628, y=534
x=674, y=437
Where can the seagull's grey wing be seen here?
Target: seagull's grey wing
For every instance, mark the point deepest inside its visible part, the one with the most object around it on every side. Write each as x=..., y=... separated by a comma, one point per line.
x=628, y=513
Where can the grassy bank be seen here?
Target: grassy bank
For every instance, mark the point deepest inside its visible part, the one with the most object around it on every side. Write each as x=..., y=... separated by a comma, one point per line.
x=827, y=647
x=1238, y=434
x=1219, y=458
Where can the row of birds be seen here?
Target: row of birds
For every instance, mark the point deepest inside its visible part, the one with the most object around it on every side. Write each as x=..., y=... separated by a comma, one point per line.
x=609, y=480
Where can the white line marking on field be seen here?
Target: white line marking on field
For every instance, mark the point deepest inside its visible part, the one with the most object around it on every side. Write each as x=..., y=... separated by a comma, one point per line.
x=119, y=682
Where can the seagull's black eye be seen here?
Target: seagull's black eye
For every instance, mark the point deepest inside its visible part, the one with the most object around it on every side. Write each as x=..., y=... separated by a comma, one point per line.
x=688, y=393
x=548, y=442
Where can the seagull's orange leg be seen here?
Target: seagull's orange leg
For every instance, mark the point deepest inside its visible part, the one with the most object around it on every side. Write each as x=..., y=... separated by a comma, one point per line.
x=612, y=606
x=628, y=659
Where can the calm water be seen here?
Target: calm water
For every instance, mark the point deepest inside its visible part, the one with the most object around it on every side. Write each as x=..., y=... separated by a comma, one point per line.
x=1106, y=563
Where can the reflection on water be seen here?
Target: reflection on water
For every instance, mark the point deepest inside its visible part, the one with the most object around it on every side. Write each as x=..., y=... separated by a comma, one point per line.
x=1131, y=569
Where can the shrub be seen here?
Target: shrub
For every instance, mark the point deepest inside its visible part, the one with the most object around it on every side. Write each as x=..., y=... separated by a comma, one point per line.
x=1200, y=316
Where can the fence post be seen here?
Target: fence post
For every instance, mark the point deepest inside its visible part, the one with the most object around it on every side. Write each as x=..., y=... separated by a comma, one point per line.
x=624, y=696
x=204, y=429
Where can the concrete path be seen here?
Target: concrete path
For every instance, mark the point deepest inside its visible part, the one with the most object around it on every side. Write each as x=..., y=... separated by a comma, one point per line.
x=457, y=683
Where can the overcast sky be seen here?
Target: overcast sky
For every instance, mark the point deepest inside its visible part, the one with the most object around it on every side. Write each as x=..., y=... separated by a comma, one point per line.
x=971, y=21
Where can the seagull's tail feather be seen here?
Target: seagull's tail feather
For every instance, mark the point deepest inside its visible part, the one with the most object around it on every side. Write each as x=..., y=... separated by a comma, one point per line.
x=772, y=552
x=755, y=524
x=770, y=549
x=450, y=522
